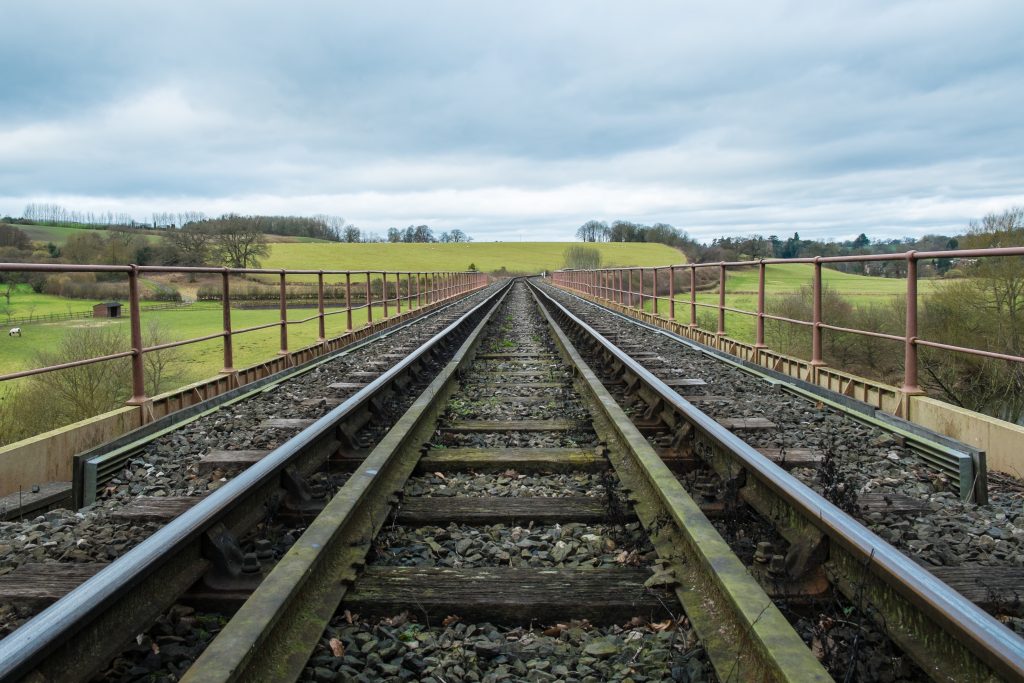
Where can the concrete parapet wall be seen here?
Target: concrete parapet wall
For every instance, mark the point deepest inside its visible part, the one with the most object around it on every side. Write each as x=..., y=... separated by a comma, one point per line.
x=47, y=457
x=1003, y=442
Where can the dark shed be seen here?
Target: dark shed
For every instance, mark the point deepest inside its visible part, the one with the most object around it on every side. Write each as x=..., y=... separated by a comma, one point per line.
x=107, y=309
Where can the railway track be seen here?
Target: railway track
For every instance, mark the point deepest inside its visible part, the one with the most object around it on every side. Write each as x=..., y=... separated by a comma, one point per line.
x=547, y=508
x=165, y=542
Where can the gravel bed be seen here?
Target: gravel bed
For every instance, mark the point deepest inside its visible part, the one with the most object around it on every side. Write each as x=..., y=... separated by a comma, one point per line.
x=166, y=467
x=500, y=545
x=864, y=459
x=508, y=408
x=167, y=650
x=508, y=484
x=398, y=649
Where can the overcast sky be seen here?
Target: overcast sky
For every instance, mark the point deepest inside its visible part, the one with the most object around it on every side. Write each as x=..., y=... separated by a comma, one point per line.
x=521, y=120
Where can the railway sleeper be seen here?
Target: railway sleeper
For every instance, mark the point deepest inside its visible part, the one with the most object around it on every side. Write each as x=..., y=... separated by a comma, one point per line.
x=510, y=595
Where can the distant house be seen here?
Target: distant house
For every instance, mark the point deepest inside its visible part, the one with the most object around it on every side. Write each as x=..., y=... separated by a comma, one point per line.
x=107, y=309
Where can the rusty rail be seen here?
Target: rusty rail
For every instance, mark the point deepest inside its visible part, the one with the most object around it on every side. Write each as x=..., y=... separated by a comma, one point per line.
x=414, y=288
x=620, y=286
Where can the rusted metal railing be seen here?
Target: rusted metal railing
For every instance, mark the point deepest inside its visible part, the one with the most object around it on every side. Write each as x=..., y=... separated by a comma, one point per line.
x=423, y=288
x=620, y=286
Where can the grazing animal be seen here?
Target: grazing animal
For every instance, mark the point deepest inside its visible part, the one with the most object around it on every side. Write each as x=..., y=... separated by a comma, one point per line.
x=15, y=332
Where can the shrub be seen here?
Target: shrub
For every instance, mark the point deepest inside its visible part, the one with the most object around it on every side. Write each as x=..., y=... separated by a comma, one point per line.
x=580, y=257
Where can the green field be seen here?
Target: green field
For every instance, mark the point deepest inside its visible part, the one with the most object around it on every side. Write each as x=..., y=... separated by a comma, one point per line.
x=195, y=361
x=517, y=257
x=741, y=293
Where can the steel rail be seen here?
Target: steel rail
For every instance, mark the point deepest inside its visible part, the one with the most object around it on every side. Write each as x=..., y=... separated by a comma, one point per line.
x=275, y=630
x=49, y=644
x=976, y=644
x=742, y=630
x=106, y=458
x=964, y=463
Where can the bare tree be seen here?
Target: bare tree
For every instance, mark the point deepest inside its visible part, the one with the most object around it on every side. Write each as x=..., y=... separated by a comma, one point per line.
x=351, y=234
x=188, y=246
x=239, y=242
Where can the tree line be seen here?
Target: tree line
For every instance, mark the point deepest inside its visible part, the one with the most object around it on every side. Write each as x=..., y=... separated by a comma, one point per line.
x=422, y=234
x=753, y=247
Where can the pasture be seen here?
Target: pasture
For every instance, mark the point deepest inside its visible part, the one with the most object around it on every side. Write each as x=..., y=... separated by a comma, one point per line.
x=516, y=257
x=192, y=362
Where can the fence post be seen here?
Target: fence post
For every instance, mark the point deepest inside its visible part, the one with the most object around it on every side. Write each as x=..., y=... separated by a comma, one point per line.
x=641, y=306
x=320, y=307
x=348, y=300
x=384, y=292
x=759, y=339
x=284, y=316
x=721, y=300
x=138, y=369
x=910, y=382
x=693, y=296
x=654, y=291
x=672, y=292
x=225, y=299
x=398, y=292
x=369, y=300
x=816, y=361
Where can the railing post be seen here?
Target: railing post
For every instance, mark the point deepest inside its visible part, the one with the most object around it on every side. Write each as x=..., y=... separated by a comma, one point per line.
x=384, y=292
x=225, y=300
x=672, y=293
x=369, y=300
x=398, y=292
x=759, y=338
x=910, y=381
x=348, y=300
x=629, y=287
x=721, y=300
x=693, y=296
x=320, y=307
x=816, y=361
x=138, y=368
x=641, y=306
x=654, y=291
x=284, y=316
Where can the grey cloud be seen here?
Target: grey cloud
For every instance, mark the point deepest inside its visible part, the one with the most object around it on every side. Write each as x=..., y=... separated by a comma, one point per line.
x=744, y=116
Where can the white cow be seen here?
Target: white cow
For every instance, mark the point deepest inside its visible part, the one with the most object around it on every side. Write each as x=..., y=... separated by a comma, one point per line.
x=15, y=332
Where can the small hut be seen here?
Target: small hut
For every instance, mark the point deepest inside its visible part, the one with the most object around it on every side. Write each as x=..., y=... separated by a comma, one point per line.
x=107, y=309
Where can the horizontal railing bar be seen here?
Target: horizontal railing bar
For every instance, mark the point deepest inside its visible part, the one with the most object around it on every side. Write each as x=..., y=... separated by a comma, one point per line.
x=65, y=366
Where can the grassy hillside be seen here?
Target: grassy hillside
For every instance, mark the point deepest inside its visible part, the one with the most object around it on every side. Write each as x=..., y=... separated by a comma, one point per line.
x=60, y=235
x=526, y=257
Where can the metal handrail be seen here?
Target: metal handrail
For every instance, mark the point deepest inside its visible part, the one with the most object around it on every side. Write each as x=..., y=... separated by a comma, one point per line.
x=618, y=285
x=421, y=288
